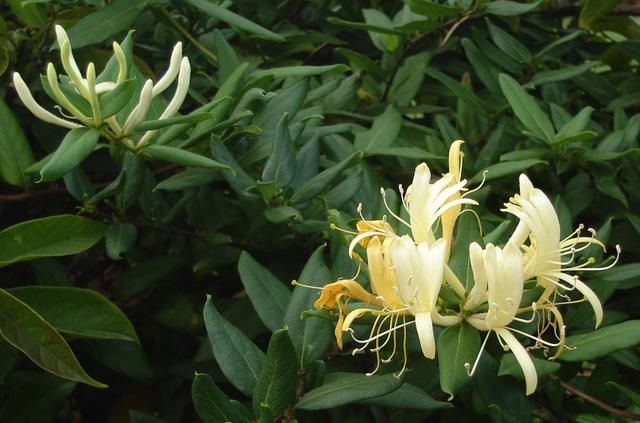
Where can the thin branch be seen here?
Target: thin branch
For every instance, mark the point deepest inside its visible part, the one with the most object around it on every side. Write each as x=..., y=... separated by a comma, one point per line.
x=176, y=25
x=600, y=404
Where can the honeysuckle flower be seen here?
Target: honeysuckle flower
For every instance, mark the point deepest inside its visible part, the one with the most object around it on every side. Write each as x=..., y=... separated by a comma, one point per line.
x=419, y=270
x=90, y=90
x=502, y=272
x=546, y=251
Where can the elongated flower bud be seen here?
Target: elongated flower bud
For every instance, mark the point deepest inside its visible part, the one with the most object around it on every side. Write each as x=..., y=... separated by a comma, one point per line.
x=38, y=111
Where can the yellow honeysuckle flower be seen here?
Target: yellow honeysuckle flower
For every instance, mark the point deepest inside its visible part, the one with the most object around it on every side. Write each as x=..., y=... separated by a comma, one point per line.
x=546, y=251
x=88, y=88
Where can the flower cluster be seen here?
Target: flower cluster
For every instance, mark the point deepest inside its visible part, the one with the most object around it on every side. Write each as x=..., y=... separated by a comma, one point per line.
x=83, y=97
x=407, y=273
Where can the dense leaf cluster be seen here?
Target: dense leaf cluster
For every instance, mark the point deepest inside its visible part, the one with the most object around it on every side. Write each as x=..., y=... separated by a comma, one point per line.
x=164, y=272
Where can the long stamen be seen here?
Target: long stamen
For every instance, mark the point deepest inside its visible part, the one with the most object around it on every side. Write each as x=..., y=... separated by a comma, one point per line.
x=296, y=283
x=535, y=338
x=404, y=348
x=471, y=370
x=384, y=200
x=379, y=335
x=533, y=315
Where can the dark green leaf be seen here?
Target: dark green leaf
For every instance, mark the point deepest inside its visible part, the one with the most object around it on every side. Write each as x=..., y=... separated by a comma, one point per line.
x=510, y=8
x=105, y=22
x=268, y=295
x=239, y=359
x=235, y=20
x=211, y=404
x=114, y=100
x=383, y=132
x=281, y=163
x=457, y=346
x=182, y=157
x=30, y=333
x=407, y=396
x=77, y=312
x=278, y=381
x=526, y=109
x=48, y=237
x=432, y=9
x=15, y=153
x=345, y=388
x=602, y=341
x=76, y=146
x=120, y=238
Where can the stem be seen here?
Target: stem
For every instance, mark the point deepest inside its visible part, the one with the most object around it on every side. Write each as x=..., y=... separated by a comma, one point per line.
x=197, y=44
x=600, y=404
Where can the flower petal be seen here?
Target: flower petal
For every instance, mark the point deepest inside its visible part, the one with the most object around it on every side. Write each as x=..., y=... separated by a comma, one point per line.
x=525, y=362
x=424, y=326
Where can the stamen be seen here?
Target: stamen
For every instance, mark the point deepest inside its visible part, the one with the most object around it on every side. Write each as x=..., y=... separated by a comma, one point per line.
x=296, y=283
x=535, y=338
x=404, y=348
x=335, y=227
x=386, y=205
x=475, y=363
x=533, y=315
x=379, y=335
x=476, y=189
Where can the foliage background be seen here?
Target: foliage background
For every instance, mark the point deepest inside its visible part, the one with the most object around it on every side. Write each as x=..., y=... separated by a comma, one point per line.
x=339, y=99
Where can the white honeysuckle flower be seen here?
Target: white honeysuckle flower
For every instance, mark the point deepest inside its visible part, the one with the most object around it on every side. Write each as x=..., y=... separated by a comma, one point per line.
x=478, y=294
x=170, y=75
x=88, y=88
x=419, y=272
x=503, y=269
x=184, y=77
x=545, y=254
x=38, y=111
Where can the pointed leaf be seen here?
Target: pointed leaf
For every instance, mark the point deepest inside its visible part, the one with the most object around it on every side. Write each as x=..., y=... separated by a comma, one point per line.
x=457, y=345
x=30, y=333
x=268, y=295
x=48, y=237
x=239, y=358
x=76, y=146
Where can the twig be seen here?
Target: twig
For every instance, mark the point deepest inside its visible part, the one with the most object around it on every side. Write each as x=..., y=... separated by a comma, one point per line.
x=600, y=404
x=197, y=44
x=28, y=195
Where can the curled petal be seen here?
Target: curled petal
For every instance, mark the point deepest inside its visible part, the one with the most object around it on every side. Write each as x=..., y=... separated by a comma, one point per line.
x=424, y=326
x=349, y=287
x=525, y=362
x=139, y=112
x=592, y=298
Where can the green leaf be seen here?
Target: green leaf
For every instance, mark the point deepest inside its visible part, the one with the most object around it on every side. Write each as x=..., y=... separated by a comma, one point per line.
x=344, y=388
x=298, y=71
x=433, y=10
x=76, y=146
x=144, y=275
x=77, y=312
x=310, y=337
x=467, y=231
x=235, y=20
x=499, y=170
x=278, y=381
x=577, y=124
x=30, y=333
x=48, y=237
x=592, y=10
x=509, y=366
x=105, y=22
x=364, y=26
x=510, y=8
x=268, y=295
x=227, y=58
x=383, y=42
x=114, y=100
x=283, y=214
x=239, y=358
x=30, y=14
x=526, y=109
x=383, y=132
x=577, y=137
x=408, y=152
x=457, y=345
x=15, y=153
x=280, y=166
x=462, y=93
x=182, y=157
x=485, y=69
x=120, y=238
x=407, y=396
x=191, y=177
x=211, y=404
x=629, y=393
x=33, y=396
x=321, y=181
x=509, y=44
x=562, y=74
x=601, y=342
